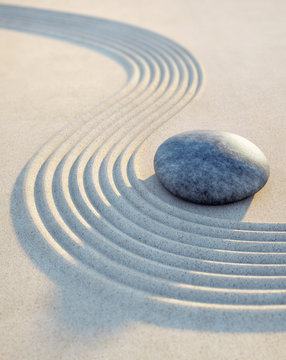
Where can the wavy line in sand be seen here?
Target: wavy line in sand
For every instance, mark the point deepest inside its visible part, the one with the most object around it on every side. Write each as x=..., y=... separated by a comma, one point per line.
x=84, y=195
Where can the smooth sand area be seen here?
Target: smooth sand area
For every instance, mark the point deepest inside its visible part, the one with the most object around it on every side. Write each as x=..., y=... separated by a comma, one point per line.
x=98, y=261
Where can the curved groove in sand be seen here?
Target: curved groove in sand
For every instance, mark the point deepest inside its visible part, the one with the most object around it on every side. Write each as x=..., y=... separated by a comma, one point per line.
x=85, y=198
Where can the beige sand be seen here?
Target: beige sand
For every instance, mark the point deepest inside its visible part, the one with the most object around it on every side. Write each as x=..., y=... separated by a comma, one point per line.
x=186, y=281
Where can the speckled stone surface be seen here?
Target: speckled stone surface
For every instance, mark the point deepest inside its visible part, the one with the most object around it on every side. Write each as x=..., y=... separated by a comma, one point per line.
x=211, y=167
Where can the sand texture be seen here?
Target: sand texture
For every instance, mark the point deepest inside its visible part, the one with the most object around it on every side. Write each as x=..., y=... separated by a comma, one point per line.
x=99, y=260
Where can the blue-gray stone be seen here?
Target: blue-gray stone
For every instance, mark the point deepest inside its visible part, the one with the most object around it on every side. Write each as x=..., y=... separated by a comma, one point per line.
x=211, y=167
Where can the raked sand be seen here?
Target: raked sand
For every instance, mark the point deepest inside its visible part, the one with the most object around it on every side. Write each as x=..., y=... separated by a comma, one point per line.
x=98, y=260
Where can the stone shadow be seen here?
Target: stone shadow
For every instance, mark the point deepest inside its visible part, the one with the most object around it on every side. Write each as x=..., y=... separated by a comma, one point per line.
x=235, y=211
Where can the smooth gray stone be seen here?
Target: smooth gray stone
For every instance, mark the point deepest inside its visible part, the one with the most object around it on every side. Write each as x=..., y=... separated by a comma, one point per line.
x=211, y=167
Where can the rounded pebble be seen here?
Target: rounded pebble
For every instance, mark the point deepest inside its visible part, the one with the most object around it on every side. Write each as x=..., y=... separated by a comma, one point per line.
x=211, y=167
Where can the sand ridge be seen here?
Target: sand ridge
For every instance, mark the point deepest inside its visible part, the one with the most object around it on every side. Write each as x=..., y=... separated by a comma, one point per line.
x=84, y=198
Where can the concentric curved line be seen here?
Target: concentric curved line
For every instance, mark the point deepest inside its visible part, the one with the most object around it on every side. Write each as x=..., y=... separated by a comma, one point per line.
x=85, y=197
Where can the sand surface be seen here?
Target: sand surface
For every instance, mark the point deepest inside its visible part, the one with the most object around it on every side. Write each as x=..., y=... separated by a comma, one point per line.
x=98, y=261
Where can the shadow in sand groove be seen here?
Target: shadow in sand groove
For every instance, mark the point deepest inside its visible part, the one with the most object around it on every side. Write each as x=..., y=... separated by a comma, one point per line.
x=121, y=249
